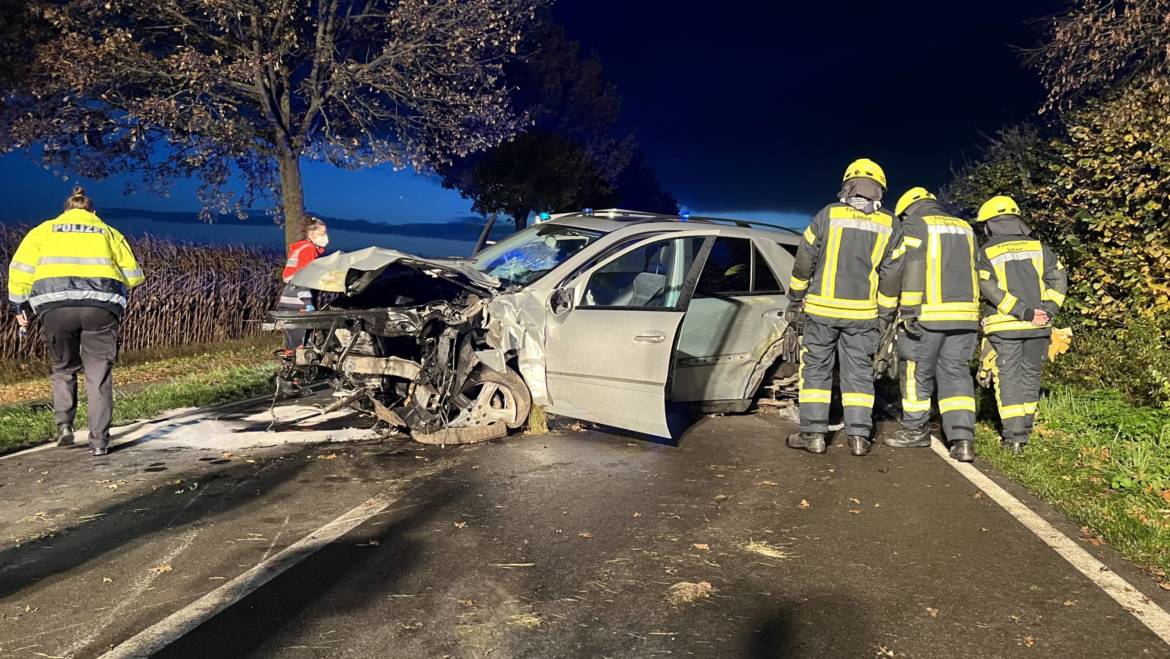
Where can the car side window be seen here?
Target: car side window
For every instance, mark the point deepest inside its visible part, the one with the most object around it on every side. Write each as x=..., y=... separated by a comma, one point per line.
x=649, y=277
x=765, y=281
x=728, y=270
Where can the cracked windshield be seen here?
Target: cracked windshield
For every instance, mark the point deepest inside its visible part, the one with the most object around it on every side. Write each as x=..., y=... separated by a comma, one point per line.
x=526, y=256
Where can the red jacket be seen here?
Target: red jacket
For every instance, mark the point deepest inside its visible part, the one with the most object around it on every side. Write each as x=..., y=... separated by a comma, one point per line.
x=300, y=254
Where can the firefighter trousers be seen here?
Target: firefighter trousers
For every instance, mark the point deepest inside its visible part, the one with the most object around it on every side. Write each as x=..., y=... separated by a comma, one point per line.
x=78, y=337
x=1018, y=363
x=853, y=348
x=938, y=361
x=294, y=298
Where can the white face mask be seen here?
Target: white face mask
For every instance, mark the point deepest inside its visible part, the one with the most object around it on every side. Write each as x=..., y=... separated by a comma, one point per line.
x=320, y=239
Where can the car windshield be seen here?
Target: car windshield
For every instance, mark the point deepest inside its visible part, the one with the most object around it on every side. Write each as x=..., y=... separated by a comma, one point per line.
x=528, y=255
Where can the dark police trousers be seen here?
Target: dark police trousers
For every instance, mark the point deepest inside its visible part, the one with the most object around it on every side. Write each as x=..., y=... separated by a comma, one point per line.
x=78, y=337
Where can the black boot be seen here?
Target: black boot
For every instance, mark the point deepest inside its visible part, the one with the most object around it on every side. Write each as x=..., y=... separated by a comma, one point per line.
x=859, y=445
x=99, y=447
x=963, y=450
x=64, y=434
x=910, y=438
x=813, y=442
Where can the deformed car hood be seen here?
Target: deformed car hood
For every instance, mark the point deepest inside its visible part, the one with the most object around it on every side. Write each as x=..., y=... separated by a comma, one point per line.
x=329, y=273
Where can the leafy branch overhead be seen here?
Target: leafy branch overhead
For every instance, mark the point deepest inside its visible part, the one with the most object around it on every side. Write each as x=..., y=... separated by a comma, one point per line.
x=215, y=87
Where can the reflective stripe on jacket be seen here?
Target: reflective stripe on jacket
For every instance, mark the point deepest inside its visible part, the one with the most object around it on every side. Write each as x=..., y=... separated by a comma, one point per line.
x=300, y=254
x=73, y=260
x=939, y=285
x=845, y=267
x=1018, y=275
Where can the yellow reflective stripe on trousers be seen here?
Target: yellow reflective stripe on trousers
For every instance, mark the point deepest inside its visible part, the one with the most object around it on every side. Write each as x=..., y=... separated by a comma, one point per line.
x=956, y=404
x=915, y=405
x=1013, y=411
x=815, y=396
x=857, y=400
x=910, y=402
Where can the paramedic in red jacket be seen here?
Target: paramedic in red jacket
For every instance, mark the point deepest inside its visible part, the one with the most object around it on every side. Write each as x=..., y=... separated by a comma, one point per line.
x=300, y=254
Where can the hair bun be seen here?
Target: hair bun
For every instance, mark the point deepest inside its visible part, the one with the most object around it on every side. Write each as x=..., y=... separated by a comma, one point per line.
x=78, y=191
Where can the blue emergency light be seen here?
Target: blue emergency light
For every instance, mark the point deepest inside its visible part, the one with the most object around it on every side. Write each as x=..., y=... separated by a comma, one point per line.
x=545, y=216
x=684, y=213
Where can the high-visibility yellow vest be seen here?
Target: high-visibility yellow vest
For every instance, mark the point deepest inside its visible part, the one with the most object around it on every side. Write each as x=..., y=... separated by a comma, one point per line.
x=73, y=260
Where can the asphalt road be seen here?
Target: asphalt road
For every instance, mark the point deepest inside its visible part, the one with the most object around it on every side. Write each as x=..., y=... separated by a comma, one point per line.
x=561, y=545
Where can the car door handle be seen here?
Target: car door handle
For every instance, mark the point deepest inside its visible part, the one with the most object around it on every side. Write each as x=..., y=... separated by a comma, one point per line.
x=649, y=337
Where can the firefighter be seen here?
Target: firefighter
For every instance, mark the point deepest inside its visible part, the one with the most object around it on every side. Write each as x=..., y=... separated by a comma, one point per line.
x=939, y=318
x=1023, y=284
x=844, y=282
x=76, y=273
x=300, y=254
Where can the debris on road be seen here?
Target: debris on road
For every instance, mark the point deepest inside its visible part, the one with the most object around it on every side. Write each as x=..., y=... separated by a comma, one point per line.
x=685, y=592
x=526, y=620
x=765, y=549
x=165, y=567
x=804, y=504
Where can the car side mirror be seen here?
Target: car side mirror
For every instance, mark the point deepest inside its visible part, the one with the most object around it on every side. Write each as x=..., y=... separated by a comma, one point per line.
x=561, y=301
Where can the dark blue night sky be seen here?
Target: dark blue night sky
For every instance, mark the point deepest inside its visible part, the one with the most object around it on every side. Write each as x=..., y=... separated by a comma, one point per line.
x=742, y=107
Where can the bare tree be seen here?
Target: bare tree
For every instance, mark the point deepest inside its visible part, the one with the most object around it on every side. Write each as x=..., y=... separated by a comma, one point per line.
x=220, y=88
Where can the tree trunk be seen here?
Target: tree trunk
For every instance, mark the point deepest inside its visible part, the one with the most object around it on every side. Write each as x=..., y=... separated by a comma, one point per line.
x=292, y=195
x=520, y=215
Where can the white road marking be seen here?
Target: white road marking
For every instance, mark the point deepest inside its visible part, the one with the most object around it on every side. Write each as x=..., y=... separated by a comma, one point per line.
x=175, y=626
x=143, y=584
x=1131, y=599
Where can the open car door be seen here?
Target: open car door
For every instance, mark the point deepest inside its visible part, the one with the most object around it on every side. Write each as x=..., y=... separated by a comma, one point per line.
x=610, y=338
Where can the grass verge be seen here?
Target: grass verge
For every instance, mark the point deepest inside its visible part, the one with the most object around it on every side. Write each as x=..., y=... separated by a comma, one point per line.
x=26, y=383
x=1105, y=464
x=25, y=425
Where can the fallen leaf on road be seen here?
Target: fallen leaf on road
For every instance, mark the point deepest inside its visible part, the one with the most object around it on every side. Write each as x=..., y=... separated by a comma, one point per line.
x=637, y=514
x=855, y=501
x=467, y=601
x=331, y=456
x=585, y=534
x=526, y=620
x=1092, y=538
x=765, y=549
x=721, y=497
x=1029, y=641
x=107, y=580
x=768, y=483
x=804, y=504
x=165, y=567
x=460, y=525
x=701, y=546
x=1070, y=602
x=685, y=592
x=883, y=651
x=855, y=511
x=1164, y=585
x=933, y=612
x=227, y=454
x=978, y=495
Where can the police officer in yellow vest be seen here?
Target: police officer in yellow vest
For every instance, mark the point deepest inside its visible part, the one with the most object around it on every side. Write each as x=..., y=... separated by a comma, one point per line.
x=939, y=314
x=76, y=272
x=1024, y=284
x=844, y=280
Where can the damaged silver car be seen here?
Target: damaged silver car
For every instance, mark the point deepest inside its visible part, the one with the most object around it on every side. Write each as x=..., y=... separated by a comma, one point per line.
x=614, y=317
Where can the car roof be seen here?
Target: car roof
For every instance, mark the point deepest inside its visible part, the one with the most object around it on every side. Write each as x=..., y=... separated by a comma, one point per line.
x=613, y=219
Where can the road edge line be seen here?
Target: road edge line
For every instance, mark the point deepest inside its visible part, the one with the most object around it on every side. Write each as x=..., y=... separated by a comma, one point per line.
x=173, y=627
x=1124, y=593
